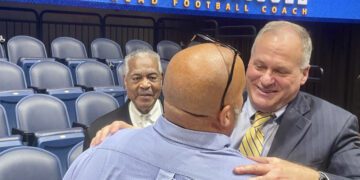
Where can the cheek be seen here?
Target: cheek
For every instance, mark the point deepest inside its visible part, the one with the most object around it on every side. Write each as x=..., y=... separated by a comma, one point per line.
x=156, y=88
x=252, y=74
x=131, y=91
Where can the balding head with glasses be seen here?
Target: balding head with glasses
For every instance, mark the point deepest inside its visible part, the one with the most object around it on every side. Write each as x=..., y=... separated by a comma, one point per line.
x=205, y=83
x=202, y=90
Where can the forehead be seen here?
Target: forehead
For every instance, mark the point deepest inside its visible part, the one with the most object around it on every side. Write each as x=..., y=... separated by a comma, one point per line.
x=143, y=64
x=285, y=45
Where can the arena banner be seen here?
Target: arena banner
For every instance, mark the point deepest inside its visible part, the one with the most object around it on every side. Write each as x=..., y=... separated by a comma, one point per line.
x=312, y=10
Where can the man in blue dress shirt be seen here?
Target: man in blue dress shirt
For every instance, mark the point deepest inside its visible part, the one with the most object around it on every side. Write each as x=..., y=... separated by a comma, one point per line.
x=202, y=98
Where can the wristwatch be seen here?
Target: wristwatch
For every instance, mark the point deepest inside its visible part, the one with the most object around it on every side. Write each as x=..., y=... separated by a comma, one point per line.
x=323, y=176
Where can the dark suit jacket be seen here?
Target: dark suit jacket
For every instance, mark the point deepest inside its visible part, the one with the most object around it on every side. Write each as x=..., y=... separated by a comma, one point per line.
x=318, y=134
x=121, y=113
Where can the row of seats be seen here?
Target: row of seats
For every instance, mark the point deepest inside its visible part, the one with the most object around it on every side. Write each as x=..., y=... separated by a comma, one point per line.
x=53, y=78
x=25, y=50
x=43, y=121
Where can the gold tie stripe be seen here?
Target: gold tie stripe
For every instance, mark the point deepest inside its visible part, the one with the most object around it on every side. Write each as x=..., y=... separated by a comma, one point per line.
x=252, y=142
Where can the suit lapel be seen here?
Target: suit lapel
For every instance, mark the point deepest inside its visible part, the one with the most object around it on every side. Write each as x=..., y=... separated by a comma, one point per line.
x=293, y=126
x=124, y=113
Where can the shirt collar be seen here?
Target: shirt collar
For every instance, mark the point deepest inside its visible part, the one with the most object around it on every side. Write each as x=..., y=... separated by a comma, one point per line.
x=153, y=114
x=197, y=139
x=251, y=110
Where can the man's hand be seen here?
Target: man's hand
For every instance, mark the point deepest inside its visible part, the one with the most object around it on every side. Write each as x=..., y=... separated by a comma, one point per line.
x=275, y=168
x=109, y=130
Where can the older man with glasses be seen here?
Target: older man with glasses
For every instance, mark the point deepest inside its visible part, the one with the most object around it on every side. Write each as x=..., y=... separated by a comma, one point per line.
x=202, y=99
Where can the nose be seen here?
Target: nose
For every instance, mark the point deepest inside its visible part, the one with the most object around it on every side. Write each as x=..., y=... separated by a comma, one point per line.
x=267, y=79
x=145, y=83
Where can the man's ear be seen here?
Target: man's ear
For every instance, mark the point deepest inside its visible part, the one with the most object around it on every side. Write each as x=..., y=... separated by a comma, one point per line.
x=225, y=117
x=125, y=82
x=305, y=75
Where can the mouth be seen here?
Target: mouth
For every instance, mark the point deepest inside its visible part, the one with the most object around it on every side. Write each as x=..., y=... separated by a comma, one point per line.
x=145, y=94
x=265, y=92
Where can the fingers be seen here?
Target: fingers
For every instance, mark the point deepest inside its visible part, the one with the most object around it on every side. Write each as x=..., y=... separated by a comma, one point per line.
x=107, y=131
x=255, y=169
x=96, y=140
x=117, y=125
x=262, y=160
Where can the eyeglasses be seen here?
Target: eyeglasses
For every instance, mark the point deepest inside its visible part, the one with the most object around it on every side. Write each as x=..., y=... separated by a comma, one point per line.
x=209, y=39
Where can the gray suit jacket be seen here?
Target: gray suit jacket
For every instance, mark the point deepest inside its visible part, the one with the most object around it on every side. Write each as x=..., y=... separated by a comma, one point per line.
x=318, y=134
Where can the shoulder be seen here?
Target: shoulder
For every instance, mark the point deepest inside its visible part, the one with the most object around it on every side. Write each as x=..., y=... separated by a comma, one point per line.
x=318, y=105
x=322, y=112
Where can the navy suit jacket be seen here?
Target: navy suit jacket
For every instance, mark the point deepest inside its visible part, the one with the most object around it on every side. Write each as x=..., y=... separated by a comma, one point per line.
x=318, y=134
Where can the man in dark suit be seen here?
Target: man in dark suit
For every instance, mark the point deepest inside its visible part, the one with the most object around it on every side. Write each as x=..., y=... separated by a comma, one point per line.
x=142, y=81
x=320, y=137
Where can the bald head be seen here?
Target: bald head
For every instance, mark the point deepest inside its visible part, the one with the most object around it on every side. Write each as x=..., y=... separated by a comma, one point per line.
x=196, y=79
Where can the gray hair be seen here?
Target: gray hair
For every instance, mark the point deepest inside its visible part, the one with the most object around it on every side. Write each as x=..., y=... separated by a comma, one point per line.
x=140, y=53
x=274, y=26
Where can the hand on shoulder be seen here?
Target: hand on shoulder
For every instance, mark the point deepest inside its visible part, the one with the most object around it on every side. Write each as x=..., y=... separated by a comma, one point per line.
x=108, y=131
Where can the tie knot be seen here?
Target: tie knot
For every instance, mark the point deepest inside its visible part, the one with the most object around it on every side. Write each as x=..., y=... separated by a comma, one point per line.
x=261, y=118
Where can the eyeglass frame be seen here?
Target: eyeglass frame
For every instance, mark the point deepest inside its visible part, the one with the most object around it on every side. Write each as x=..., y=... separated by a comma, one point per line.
x=236, y=52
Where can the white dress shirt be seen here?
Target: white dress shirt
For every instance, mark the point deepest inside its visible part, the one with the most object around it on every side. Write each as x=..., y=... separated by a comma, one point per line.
x=143, y=120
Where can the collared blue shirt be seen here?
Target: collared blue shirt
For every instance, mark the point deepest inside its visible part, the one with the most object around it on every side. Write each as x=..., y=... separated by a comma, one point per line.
x=244, y=122
x=163, y=151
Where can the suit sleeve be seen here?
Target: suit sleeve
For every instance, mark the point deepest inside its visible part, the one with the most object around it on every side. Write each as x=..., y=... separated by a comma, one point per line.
x=345, y=158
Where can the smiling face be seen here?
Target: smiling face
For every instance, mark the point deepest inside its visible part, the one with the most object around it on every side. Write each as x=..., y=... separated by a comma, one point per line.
x=274, y=75
x=143, y=83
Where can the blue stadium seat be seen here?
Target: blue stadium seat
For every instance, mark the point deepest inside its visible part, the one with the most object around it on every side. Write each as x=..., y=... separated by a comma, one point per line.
x=2, y=52
x=167, y=49
x=6, y=139
x=29, y=163
x=91, y=105
x=45, y=118
x=98, y=76
x=69, y=51
x=55, y=78
x=135, y=44
x=108, y=51
x=12, y=88
x=120, y=74
x=25, y=51
x=75, y=152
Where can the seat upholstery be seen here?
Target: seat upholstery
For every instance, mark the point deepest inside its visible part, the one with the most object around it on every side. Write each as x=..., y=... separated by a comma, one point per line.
x=99, y=76
x=75, y=152
x=2, y=52
x=26, y=51
x=46, y=116
x=106, y=49
x=25, y=47
x=69, y=51
x=57, y=80
x=6, y=139
x=50, y=75
x=29, y=163
x=91, y=105
x=12, y=77
x=94, y=74
x=12, y=88
x=135, y=44
x=68, y=47
x=167, y=49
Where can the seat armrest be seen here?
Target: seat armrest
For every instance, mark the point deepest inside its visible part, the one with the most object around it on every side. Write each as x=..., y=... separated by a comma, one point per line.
x=85, y=88
x=38, y=90
x=27, y=137
x=76, y=124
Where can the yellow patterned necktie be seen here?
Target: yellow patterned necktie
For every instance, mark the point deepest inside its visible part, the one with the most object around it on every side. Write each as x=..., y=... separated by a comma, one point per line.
x=253, y=141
